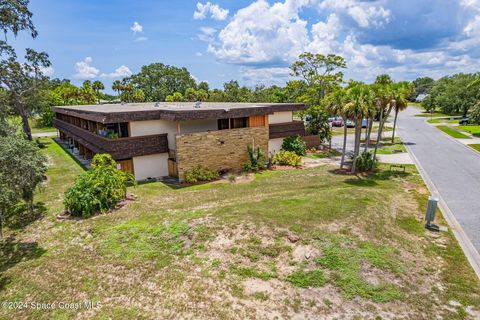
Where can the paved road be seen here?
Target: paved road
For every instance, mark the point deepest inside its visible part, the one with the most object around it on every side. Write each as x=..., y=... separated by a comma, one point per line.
x=452, y=168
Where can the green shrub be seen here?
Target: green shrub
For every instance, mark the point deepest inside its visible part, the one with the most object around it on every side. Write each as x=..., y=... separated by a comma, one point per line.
x=97, y=190
x=112, y=135
x=287, y=158
x=294, y=144
x=200, y=173
x=256, y=159
x=365, y=162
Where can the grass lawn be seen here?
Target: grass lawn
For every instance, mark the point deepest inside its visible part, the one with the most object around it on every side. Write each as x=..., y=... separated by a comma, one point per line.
x=453, y=133
x=387, y=147
x=472, y=129
x=475, y=147
x=443, y=120
x=320, y=154
x=309, y=243
x=435, y=114
x=35, y=125
x=337, y=131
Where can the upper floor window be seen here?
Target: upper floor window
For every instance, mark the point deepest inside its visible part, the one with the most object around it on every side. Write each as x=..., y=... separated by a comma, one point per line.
x=232, y=123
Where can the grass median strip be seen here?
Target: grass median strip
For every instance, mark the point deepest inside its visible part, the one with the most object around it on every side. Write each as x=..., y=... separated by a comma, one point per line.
x=453, y=133
x=475, y=146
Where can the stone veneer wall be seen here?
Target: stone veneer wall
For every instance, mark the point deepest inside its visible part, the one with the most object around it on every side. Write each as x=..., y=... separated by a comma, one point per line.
x=218, y=150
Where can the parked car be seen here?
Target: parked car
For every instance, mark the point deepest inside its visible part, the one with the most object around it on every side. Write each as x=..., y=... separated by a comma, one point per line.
x=364, y=123
x=350, y=124
x=464, y=121
x=338, y=122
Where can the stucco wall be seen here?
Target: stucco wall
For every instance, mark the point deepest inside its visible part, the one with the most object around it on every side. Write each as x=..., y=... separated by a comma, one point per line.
x=280, y=117
x=218, y=150
x=274, y=145
x=148, y=127
x=198, y=126
x=152, y=166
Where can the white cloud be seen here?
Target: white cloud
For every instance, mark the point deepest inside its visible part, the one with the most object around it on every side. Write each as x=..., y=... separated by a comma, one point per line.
x=373, y=36
x=141, y=39
x=364, y=13
x=85, y=70
x=48, y=71
x=136, y=27
x=215, y=11
x=121, y=72
x=198, y=54
x=207, y=34
x=278, y=36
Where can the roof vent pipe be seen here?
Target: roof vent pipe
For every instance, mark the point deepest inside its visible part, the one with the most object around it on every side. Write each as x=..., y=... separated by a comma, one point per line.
x=198, y=104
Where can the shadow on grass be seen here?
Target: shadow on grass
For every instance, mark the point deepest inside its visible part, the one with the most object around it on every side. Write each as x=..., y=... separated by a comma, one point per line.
x=20, y=216
x=13, y=252
x=368, y=179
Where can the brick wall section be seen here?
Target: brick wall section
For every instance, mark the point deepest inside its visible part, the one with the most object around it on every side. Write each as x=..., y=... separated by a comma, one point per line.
x=218, y=150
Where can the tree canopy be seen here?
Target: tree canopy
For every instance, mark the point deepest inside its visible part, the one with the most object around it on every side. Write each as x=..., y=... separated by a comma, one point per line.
x=158, y=80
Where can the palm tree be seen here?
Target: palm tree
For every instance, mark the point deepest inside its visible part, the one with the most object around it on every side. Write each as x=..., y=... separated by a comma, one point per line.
x=370, y=114
x=97, y=86
x=359, y=100
x=335, y=105
x=384, y=103
x=401, y=91
x=117, y=86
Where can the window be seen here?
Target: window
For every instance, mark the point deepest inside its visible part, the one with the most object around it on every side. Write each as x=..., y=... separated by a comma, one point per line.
x=239, y=122
x=223, y=124
x=232, y=123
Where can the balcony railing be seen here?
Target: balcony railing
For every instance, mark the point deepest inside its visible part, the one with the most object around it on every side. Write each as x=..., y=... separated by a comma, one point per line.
x=121, y=148
x=286, y=129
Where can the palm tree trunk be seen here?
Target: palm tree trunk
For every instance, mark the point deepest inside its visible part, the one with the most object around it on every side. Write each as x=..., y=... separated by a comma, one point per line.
x=369, y=132
x=379, y=134
x=394, y=125
x=345, y=131
x=358, y=136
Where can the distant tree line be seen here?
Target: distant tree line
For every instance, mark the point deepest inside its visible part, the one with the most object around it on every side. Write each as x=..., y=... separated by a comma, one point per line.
x=458, y=94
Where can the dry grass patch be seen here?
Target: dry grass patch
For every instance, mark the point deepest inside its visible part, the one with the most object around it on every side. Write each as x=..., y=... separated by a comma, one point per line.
x=293, y=244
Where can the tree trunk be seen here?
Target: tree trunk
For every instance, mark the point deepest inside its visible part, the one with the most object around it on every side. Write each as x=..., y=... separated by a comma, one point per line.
x=345, y=131
x=394, y=125
x=379, y=135
x=27, y=132
x=1, y=225
x=358, y=136
x=369, y=132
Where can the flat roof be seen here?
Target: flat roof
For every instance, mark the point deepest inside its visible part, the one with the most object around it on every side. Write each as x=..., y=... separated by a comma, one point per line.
x=124, y=112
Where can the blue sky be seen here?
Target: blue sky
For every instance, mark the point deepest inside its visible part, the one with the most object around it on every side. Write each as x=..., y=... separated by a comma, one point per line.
x=255, y=41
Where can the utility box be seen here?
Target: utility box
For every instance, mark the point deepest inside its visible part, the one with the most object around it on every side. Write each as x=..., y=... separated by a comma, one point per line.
x=430, y=214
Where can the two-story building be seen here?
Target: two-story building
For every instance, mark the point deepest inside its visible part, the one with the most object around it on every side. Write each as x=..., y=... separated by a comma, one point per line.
x=153, y=140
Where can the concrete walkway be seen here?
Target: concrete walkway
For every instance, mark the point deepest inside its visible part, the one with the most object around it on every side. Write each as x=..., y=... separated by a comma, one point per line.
x=452, y=172
x=45, y=134
x=398, y=158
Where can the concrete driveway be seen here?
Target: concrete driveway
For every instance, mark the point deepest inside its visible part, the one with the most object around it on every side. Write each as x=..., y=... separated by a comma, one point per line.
x=451, y=169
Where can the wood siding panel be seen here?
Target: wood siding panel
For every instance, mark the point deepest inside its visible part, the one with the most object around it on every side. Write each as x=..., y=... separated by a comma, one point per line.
x=121, y=148
x=126, y=165
x=258, y=121
x=283, y=130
